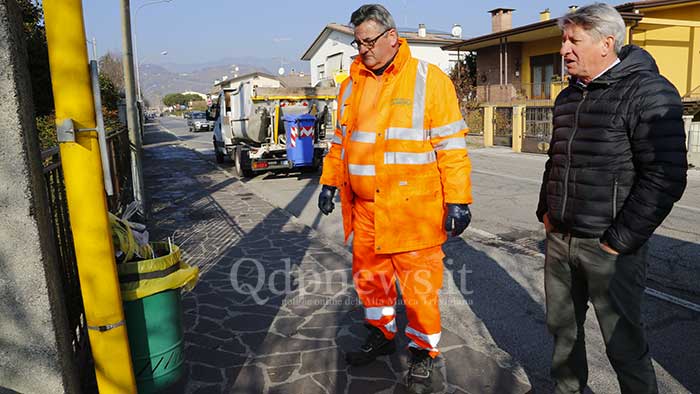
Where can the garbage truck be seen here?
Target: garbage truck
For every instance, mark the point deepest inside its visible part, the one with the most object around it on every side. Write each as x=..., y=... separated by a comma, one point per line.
x=274, y=129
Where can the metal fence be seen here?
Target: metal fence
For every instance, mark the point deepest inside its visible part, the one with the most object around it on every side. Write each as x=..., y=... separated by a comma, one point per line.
x=53, y=177
x=538, y=129
x=120, y=168
x=118, y=147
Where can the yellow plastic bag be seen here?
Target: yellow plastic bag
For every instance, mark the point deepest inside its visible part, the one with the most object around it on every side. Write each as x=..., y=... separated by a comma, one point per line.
x=139, y=279
x=124, y=240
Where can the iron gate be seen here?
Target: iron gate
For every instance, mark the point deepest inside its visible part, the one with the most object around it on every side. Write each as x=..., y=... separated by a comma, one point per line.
x=538, y=129
x=503, y=126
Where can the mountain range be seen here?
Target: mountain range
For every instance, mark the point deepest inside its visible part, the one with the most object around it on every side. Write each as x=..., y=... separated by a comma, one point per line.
x=157, y=80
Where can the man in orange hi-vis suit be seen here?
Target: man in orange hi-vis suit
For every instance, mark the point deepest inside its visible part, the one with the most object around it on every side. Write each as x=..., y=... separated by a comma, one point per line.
x=400, y=161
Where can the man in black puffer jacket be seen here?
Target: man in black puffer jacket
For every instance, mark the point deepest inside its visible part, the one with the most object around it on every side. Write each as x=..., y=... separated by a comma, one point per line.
x=617, y=164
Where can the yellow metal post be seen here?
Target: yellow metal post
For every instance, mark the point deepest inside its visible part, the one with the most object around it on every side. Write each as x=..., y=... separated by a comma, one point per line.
x=276, y=126
x=518, y=127
x=488, y=125
x=85, y=192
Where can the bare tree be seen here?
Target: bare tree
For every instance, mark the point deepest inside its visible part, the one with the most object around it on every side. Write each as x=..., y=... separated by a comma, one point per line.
x=111, y=67
x=463, y=77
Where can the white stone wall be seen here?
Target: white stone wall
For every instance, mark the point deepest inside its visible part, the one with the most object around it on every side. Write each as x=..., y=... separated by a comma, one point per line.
x=266, y=82
x=336, y=43
x=257, y=80
x=432, y=54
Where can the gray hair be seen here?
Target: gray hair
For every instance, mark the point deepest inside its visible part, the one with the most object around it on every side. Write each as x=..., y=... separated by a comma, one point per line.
x=374, y=12
x=599, y=20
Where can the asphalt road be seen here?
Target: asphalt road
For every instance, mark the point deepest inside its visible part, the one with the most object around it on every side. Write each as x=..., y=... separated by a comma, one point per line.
x=502, y=303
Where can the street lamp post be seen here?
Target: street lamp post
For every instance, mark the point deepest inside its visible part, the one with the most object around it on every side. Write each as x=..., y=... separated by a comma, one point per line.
x=135, y=147
x=136, y=43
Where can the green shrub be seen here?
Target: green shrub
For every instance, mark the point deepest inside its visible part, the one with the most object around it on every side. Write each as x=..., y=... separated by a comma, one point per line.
x=46, y=128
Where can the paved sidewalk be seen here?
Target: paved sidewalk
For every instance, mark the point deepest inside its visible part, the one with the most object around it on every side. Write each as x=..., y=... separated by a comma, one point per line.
x=274, y=308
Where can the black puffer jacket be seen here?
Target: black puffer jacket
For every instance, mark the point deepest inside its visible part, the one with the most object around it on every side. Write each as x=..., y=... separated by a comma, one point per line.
x=617, y=159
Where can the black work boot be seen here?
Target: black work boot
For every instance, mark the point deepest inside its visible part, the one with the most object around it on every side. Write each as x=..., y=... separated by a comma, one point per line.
x=420, y=372
x=375, y=345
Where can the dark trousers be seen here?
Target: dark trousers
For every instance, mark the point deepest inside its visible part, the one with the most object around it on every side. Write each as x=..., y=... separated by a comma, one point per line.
x=577, y=270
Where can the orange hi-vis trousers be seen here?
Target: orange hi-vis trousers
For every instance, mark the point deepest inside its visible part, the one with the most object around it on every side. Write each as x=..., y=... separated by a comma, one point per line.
x=419, y=274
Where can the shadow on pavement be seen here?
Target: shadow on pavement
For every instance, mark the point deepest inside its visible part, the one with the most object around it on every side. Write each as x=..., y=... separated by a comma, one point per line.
x=514, y=320
x=517, y=322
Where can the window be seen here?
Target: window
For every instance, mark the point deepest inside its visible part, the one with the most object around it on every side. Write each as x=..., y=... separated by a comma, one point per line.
x=543, y=68
x=321, y=68
x=335, y=63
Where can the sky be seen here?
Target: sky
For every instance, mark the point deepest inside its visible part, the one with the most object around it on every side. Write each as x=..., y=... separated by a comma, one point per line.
x=200, y=31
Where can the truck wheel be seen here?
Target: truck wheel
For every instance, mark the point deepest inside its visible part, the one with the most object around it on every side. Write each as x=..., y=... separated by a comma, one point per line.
x=218, y=155
x=242, y=163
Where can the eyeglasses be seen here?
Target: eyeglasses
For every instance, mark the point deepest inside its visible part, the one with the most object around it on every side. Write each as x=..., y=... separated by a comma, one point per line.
x=369, y=44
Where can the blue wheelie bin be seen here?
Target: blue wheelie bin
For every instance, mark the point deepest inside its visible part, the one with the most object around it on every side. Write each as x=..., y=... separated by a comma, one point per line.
x=299, y=130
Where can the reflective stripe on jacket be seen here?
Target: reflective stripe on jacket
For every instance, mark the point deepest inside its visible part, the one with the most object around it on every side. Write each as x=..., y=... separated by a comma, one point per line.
x=420, y=155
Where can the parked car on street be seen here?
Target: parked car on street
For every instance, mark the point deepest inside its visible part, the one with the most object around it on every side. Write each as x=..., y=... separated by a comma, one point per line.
x=198, y=121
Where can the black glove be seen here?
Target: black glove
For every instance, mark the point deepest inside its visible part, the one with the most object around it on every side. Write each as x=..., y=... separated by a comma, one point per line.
x=458, y=218
x=325, y=199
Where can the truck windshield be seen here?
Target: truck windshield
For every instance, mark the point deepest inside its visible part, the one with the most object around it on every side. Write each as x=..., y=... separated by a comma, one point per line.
x=198, y=115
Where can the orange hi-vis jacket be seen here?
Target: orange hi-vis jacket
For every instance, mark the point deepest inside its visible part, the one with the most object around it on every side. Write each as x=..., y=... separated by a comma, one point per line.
x=418, y=161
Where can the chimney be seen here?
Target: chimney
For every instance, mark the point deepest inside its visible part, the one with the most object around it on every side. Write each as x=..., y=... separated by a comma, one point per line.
x=545, y=15
x=501, y=19
x=421, y=30
x=457, y=31
x=573, y=8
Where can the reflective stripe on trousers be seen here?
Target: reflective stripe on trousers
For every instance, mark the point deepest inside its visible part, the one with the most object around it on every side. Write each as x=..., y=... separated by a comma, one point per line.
x=422, y=340
x=382, y=316
x=419, y=273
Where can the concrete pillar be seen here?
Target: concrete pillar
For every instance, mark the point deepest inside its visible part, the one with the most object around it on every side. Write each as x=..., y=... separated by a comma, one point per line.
x=518, y=127
x=687, y=119
x=693, y=157
x=488, y=125
x=35, y=348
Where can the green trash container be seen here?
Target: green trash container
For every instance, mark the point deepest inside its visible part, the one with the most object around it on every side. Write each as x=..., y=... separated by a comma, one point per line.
x=154, y=325
x=151, y=294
